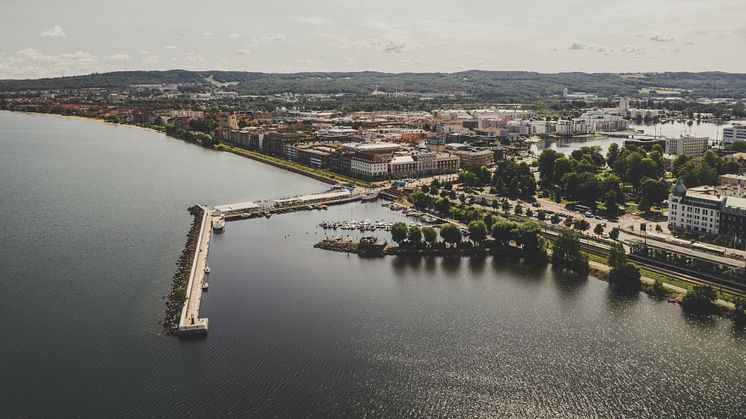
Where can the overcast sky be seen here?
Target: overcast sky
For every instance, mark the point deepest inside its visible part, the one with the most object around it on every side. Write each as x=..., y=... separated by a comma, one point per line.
x=56, y=38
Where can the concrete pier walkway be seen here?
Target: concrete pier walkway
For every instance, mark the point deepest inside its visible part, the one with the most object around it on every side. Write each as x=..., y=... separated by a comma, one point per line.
x=190, y=322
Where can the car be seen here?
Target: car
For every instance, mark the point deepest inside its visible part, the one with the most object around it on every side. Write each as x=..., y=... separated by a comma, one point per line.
x=535, y=204
x=605, y=235
x=598, y=217
x=589, y=214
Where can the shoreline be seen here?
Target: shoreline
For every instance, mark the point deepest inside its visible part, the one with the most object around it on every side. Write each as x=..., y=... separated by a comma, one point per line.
x=674, y=294
x=250, y=154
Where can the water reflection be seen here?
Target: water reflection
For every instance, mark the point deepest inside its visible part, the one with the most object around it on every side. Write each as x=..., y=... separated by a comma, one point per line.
x=567, y=283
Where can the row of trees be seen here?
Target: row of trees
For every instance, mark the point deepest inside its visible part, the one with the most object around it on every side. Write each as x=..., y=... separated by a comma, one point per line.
x=504, y=233
x=202, y=138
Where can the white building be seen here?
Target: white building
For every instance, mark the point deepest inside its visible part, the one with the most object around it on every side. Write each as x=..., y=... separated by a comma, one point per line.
x=735, y=133
x=369, y=166
x=688, y=146
x=564, y=128
x=693, y=211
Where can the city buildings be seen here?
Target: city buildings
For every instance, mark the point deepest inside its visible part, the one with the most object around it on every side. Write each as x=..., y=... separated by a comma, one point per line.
x=693, y=211
x=687, y=146
x=706, y=210
x=735, y=133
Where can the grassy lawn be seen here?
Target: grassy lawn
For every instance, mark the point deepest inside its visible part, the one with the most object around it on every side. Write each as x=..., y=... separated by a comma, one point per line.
x=631, y=208
x=314, y=170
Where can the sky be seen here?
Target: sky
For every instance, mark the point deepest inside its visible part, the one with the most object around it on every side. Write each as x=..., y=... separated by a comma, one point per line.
x=60, y=38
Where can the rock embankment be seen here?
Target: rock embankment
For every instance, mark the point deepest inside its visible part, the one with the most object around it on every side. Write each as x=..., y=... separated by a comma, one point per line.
x=180, y=279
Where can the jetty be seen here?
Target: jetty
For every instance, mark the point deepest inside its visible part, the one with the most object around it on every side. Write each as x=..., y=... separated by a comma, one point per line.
x=189, y=321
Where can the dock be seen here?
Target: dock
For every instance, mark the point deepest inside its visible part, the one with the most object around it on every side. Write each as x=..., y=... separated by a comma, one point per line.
x=190, y=322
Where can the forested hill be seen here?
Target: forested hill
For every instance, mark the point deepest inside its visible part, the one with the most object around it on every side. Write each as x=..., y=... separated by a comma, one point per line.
x=487, y=84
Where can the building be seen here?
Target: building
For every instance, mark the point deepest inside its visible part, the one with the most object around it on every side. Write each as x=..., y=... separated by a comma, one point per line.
x=733, y=218
x=693, y=211
x=735, y=133
x=688, y=146
x=733, y=180
x=369, y=166
x=469, y=157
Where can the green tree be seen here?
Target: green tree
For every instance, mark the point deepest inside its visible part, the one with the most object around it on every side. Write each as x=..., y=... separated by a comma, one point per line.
x=652, y=192
x=443, y=205
x=414, y=235
x=700, y=300
x=431, y=236
x=567, y=255
x=623, y=275
x=612, y=154
x=528, y=236
x=420, y=200
x=598, y=229
x=581, y=224
x=614, y=233
x=502, y=231
x=611, y=205
x=555, y=219
x=477, y=231
x=546, y=166
x=399, y=232
x=450, y=234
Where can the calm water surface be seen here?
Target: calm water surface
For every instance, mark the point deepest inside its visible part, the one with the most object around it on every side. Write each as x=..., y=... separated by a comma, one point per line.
x=669, y=129
x=94, y=221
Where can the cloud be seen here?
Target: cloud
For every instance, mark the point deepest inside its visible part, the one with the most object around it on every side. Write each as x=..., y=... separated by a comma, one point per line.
x=30, y=62
x=576, y=46
x=270, y=38
x=118, y=57
x=662, y=38
x=206, y=35
x=171, y=47
x=243, y=52
x=396, y=47
x=312, y=20
x=632, y=50
x=388, y=47
x=149, y=58
x=193, y=57
x=55, y=31
x=233, y=35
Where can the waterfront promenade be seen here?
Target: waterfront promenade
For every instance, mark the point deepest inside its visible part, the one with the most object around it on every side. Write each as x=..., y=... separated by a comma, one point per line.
x=190, y=322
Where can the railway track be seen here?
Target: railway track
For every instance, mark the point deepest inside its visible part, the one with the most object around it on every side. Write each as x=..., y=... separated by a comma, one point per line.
x=663, y=270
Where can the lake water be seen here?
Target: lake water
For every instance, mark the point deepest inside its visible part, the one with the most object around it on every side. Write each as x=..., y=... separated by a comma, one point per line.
x=94, y=218
x=671, y=129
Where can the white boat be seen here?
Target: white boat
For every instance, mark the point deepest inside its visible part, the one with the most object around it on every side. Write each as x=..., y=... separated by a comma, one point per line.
x=218, y=223
x=204, y=286
x=207, y=269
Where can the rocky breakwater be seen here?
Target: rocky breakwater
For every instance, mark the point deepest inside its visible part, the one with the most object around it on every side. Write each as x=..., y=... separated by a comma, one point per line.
x=180, y=279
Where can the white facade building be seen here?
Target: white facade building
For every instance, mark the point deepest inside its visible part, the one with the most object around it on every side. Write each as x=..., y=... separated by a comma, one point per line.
x=693, y=211
x=735, y=133
x=369, y=166
x=688, y=146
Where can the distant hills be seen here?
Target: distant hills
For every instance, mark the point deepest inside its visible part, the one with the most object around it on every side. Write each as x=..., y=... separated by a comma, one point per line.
x=499, y=85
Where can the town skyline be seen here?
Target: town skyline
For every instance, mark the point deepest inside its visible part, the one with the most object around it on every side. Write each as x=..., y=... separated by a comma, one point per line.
x=537, y=35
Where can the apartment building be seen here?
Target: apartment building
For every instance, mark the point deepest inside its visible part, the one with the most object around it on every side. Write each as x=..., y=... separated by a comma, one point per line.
x=735, y=133
x=693, y=211
x=688, y=146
